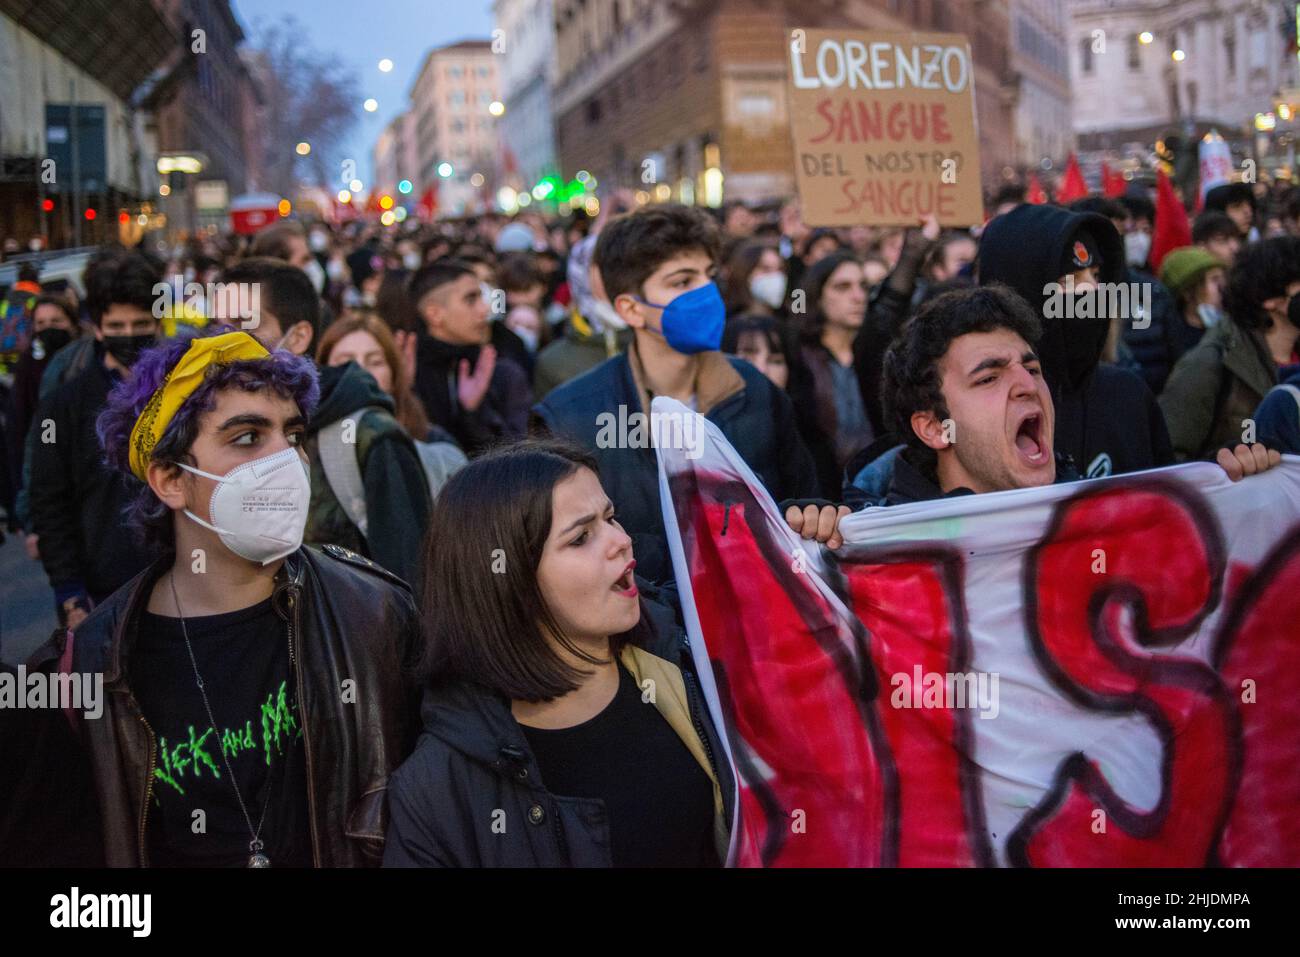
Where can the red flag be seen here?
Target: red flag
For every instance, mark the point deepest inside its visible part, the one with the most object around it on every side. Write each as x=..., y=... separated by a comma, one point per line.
x=1072, y=185
x=1171, y=227
x=1034, y=194
x=428, y=204
x=1112, y=184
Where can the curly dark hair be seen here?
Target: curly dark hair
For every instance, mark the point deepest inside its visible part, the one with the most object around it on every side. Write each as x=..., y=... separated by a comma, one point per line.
x=1262, y=271
x=632, y=246
x=120, y=277
x=289, y=376
x=910, y=381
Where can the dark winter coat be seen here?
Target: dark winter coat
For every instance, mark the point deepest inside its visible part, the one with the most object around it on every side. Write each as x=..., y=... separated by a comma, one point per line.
x=504, y=411
x=1215, y=387
x=472, y=769
x=76, y=501
x=396, y=489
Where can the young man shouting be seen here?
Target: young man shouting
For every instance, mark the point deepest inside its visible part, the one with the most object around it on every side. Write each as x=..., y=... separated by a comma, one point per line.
x=255, y=692
x=964, y=391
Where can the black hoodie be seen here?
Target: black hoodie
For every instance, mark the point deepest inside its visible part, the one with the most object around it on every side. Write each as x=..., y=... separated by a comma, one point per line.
x=398, y=503
x=1107, y=420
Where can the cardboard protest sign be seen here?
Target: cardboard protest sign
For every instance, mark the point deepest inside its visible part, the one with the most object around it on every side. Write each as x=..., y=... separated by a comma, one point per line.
x=1090, y=674
x=884, y=127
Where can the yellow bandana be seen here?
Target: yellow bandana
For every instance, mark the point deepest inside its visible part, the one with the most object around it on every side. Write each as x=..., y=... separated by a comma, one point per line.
x=180, y=385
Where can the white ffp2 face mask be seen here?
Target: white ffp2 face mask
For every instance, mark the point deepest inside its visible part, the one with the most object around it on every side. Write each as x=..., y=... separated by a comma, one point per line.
x=768, y=288
x=259, y=509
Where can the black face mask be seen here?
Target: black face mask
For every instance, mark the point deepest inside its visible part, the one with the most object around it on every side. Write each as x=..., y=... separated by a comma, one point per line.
x=126, y=349
x=49, y=341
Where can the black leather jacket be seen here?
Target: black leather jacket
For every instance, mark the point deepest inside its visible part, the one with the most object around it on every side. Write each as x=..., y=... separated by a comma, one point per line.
x=348, y=619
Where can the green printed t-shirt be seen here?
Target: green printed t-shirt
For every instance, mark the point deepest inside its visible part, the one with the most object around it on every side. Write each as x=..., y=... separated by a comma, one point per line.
x=193, y=816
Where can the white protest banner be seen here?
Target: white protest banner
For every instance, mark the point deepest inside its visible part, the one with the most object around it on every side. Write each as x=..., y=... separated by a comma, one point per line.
x=1090, y=674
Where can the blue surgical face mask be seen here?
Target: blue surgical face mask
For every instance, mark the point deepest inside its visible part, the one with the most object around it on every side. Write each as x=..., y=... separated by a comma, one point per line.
x=693, y=321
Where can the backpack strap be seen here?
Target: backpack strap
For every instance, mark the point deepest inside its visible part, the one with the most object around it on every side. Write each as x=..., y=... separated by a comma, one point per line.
x=342, y=470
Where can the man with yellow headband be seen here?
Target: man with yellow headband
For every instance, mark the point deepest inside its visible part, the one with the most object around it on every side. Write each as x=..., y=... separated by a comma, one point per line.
x=255, y=691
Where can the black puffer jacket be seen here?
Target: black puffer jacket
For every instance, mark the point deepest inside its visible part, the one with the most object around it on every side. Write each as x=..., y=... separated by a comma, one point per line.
x=1107, y=420
x=348, y=619
x=473, y=768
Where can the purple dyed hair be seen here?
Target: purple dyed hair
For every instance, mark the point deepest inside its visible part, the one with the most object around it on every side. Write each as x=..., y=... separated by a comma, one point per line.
x=289, y=376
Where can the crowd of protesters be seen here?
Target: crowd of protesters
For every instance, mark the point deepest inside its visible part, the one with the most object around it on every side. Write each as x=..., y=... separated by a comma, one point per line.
x=425, y=404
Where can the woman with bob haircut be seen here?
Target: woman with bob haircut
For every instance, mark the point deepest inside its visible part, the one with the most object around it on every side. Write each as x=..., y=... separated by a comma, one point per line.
x=563, y=724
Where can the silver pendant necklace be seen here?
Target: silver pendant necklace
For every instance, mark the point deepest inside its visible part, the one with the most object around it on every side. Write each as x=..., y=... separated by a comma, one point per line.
x=255, y=847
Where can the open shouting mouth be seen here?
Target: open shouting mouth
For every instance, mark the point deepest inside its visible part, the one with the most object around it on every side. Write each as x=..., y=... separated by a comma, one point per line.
x=1030, y=441
x=625, y=585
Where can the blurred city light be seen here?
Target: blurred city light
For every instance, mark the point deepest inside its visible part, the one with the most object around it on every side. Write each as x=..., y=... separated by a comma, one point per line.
x=385, y=202
x=285, y=207
x=582, y=176
x=1284, y=111
x=497, y=108
x=370, y=105
x=302, y=149
x=1178, y=56
x=179, y=164
x=345, y=196
x=90, y=213
x=388, y=218
x=713, y=187
x=476, y=180
x=404, y=186
x=355, y=185
x=525, y=199
x=445, y=169
x=385, y=65
x=507, y=199
x=1145, y=37
x=47, y=205
x=1265, y=122
x=400, y=214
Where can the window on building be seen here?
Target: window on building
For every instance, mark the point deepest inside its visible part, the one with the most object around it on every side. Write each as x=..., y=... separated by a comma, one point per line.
x=1230, y=54
x=1085, y=55
x=1134, y=52
x=593, y=110
x=457, y=98
x=484, y=72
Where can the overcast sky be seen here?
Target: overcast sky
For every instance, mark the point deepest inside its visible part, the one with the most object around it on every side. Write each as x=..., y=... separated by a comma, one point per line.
x=361, y=33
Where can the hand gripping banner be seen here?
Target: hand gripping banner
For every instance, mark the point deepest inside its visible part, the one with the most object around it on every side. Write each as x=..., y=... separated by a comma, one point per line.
x=1092, y=674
